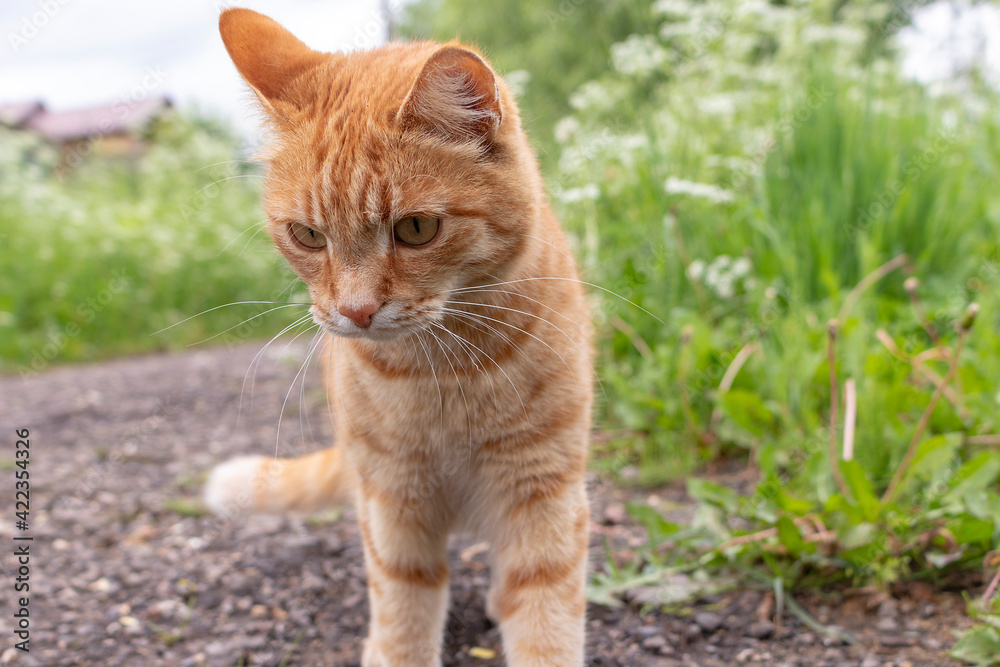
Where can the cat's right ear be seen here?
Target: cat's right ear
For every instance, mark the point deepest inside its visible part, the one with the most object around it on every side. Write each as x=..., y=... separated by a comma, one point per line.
x=269, y=58
x=455, y=96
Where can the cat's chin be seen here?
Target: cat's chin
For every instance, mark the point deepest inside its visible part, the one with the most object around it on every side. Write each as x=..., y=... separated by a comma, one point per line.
x=379, y=335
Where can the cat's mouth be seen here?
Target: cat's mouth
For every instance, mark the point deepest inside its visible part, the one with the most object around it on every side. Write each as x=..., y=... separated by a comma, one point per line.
x=382, y=328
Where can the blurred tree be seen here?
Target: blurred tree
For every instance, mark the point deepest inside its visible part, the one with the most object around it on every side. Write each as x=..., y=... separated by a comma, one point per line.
x=560, y=43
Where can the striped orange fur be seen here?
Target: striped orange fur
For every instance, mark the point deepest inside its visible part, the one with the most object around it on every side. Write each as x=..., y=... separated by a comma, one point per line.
x=403, y=191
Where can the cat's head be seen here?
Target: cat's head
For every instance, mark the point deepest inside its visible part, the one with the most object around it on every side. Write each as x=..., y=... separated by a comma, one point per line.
x=395, y=176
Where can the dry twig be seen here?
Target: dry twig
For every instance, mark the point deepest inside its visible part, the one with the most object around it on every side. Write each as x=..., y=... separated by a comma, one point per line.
x=868, y=281
x=633, y=336
x=833, y=327
x=911, y=285
x=850, y=416
x=964, y=327
x=730, y=376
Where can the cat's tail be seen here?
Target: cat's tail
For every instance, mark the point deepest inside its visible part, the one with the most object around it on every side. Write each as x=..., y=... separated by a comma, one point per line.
x=320, y=480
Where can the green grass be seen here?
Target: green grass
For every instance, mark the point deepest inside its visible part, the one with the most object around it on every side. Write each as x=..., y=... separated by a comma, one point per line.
x=98, y=259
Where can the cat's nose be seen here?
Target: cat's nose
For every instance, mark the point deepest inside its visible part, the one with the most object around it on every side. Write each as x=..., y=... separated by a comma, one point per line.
x=362, y=315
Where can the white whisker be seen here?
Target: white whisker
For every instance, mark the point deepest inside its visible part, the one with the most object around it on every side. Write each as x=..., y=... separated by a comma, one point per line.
x=434, y=373
x=223, y=180
x=465, y=344
x=235, y=238
x=516, y=328
x=302, y=386
x=572, y=280
x=253, y=362
x=281, y=413
x=226, y=305
x=522, y=312
x=249, y=319
x=468, y=413
x=500, y=368
x=523, y=296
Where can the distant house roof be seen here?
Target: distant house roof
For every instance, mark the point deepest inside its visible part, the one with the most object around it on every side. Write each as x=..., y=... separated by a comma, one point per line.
x=18, y=113
x=63, y=126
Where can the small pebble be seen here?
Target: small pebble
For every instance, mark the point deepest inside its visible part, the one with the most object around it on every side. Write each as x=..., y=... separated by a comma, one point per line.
x=761, y=629
x=708, y=621
x=648, y=631
x=654, y=643
x=734, y=622
x=887, y=624
x=891, y=641
x=806, y=639
x=615, y=513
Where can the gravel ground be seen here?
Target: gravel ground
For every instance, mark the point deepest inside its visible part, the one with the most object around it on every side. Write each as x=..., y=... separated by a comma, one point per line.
x=127, y=569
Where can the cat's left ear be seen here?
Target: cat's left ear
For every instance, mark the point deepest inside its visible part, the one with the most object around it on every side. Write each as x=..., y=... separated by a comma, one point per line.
x=456, y=96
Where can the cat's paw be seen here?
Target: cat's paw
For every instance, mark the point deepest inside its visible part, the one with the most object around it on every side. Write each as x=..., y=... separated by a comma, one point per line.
x=231, y=485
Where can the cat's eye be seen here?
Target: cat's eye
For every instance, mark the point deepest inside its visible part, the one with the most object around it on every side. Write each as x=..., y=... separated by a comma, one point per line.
x=307, y=236
x=416, y=229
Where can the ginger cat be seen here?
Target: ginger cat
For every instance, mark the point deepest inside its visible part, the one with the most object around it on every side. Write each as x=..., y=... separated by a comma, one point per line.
x=403, y=191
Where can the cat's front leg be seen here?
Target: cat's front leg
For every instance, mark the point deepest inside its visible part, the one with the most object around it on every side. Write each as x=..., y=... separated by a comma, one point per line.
x=406, y=562
x=540, y=573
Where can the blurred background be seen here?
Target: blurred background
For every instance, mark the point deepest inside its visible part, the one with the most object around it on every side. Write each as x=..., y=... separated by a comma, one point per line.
x=734, y=176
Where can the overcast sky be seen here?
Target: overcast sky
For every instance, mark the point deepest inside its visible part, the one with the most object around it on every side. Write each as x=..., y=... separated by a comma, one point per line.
x=74, y=53
x=89, y=52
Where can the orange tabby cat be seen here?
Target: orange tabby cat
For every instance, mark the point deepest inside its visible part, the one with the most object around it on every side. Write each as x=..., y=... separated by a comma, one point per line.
x=403, y=191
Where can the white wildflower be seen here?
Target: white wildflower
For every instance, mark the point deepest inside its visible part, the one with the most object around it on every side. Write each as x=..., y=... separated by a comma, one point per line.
x=723, y=104
x=630, y=142
x=842, y=34
x=588, y=192
x=706, y=190
x=518, y=81
x=566, y=129
x=712, y=276
x=637, y=55
x=741, y=267
x=695, y=269
x=673, y=8
x=590, y=95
